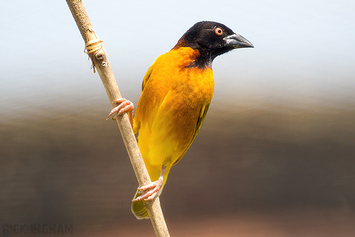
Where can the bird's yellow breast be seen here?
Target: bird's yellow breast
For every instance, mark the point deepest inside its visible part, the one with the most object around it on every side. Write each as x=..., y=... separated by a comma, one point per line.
x=173, y=100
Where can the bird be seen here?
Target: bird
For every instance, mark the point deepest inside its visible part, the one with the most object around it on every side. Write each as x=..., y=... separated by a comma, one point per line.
x=176, y=93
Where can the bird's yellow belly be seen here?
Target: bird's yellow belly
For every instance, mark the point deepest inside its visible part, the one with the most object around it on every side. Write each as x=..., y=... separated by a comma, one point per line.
x=173, y=126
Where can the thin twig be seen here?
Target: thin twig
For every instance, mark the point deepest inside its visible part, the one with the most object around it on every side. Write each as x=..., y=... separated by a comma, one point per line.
x=100, y=62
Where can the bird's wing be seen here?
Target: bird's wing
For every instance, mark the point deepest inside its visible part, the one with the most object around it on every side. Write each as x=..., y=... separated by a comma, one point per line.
x=149, y=72
x=202, y=116
x=136, y=124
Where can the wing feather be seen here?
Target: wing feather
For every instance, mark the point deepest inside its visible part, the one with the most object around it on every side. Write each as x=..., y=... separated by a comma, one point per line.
x=198, y=126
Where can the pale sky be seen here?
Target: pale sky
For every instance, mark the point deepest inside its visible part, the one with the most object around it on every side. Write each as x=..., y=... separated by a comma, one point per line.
x=303, y=49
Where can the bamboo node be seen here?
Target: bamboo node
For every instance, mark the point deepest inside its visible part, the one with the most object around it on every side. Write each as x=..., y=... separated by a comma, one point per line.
x=92, y=46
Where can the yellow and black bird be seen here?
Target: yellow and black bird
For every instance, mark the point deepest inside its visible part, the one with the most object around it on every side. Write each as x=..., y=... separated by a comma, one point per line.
x=176, y=93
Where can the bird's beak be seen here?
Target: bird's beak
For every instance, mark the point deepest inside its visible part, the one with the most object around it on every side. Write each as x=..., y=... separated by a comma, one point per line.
x=237, y=41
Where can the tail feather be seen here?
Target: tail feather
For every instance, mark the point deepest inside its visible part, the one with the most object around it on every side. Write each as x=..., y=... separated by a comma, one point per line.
x=138, y=209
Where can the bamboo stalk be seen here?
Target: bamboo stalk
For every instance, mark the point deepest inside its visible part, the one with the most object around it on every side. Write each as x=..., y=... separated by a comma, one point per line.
x=100, y=62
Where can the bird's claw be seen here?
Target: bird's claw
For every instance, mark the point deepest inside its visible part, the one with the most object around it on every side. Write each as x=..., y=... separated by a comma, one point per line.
x=150, y=195
x=124, y=105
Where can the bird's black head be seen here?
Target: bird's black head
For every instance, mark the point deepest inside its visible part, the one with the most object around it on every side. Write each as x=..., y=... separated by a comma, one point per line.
x=211, y=39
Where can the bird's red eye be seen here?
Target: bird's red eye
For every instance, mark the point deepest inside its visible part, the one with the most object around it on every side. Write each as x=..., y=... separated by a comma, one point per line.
x=218, y=31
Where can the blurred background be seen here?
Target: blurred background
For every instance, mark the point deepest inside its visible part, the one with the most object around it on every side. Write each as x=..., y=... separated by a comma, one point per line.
x=274, y=157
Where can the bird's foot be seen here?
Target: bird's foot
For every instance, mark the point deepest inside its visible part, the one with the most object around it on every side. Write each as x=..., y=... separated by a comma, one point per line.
x=150, y=195
x=124, y=105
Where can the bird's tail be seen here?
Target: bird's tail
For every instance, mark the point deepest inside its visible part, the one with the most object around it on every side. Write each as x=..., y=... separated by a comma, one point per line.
x=138, y=209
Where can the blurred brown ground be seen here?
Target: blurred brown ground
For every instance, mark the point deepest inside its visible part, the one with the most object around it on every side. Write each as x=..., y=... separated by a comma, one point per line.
x=263, y=170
